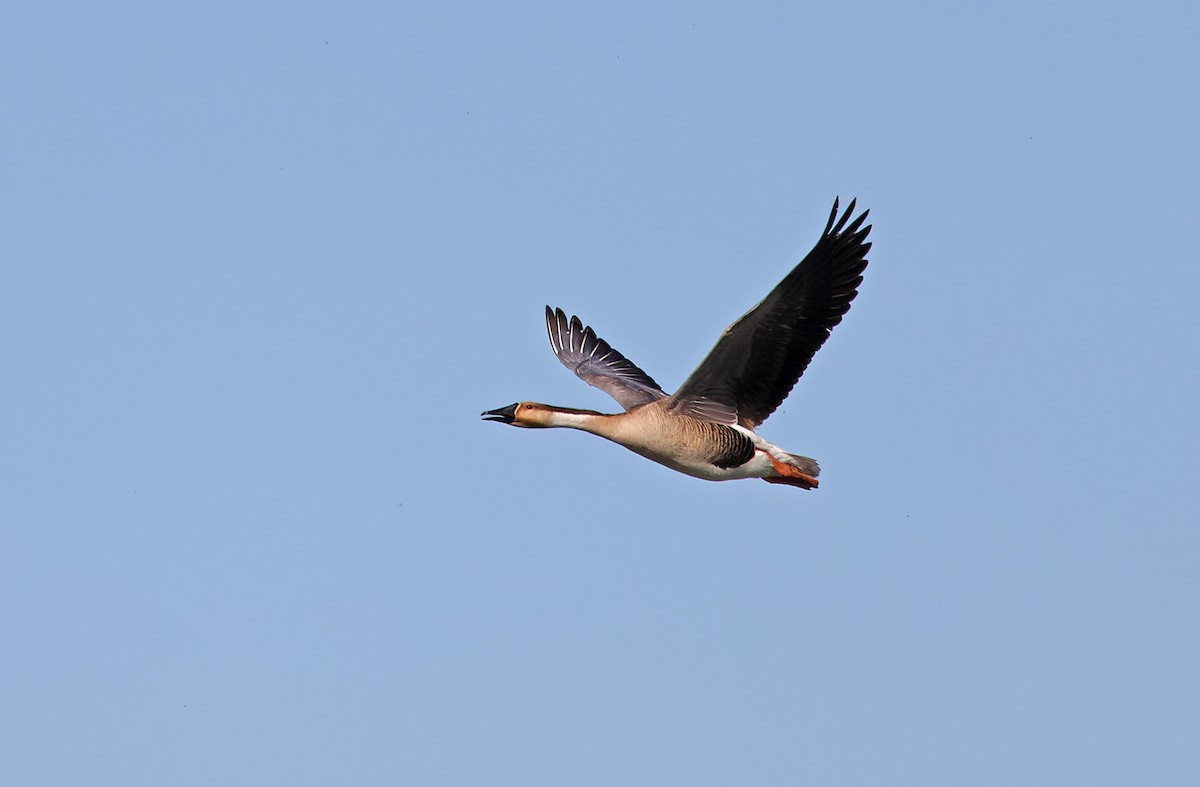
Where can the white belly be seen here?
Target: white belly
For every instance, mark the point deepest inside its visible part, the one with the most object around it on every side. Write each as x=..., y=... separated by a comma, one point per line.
x=759, y=466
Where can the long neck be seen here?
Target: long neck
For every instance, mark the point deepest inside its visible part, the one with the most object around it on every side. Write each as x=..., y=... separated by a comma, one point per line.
x=586, y=420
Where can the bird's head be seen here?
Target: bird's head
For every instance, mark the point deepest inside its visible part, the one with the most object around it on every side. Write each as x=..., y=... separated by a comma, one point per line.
x=530, y=415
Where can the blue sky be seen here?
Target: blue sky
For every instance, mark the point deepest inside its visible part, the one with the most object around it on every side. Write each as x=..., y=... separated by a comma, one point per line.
x=263, y=266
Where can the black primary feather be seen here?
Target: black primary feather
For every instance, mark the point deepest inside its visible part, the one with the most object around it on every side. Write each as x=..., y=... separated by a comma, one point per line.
x=759, y=358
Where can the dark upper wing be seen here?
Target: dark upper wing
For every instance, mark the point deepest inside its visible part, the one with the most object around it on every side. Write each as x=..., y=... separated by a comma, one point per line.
x=597, y=363
x=761, y=356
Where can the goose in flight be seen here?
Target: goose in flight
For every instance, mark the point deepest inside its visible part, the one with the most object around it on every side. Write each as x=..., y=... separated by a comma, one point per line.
x=706, y=428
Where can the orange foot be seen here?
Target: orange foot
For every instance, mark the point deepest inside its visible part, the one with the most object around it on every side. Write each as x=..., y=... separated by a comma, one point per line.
x=789, y=475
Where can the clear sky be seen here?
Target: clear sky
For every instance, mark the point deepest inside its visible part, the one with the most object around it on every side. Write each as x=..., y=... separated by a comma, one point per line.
x=262, y=266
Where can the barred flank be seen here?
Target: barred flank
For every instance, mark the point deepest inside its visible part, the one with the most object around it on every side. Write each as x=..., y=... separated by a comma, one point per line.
x=736, y=449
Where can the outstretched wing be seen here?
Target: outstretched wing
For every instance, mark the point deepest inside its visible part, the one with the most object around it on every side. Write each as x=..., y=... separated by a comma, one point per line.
x=597, y=363
x=758, y=359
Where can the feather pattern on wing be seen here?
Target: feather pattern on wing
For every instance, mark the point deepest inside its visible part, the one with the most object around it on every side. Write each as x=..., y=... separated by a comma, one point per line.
x=759, y=358
x=597, y=363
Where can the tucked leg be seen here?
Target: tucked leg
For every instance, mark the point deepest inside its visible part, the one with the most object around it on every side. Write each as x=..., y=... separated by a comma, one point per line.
x=789, y=475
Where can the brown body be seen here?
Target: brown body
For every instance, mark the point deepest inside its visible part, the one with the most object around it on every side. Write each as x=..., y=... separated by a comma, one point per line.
x=714, y=452
x=706, y=428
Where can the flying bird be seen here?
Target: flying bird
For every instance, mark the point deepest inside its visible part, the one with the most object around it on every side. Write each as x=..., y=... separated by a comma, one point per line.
x=707, y=428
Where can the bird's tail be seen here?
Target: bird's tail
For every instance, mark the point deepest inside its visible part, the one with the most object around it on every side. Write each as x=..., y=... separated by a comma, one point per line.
x=804, y=464
x=796, y=470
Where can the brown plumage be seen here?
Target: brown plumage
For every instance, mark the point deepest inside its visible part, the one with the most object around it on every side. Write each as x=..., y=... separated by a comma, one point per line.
x=706, y=429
